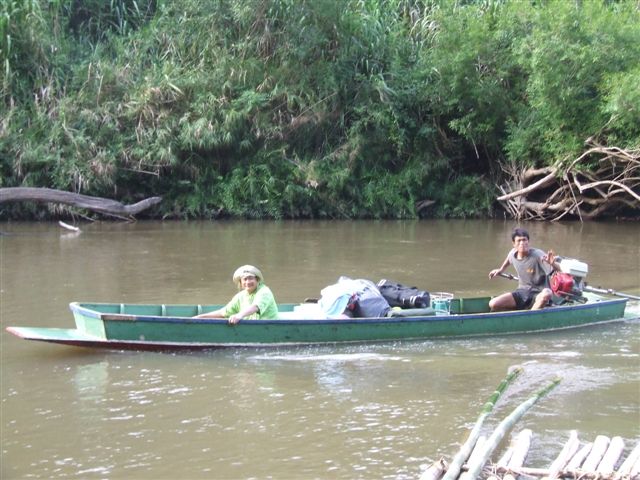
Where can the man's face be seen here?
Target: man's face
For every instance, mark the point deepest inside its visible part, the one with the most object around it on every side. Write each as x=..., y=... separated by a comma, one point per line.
x=249, y=283
x=521, y=244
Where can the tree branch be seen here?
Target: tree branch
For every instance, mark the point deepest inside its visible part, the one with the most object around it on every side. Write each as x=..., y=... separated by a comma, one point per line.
x=543, y=182
x=96, y=204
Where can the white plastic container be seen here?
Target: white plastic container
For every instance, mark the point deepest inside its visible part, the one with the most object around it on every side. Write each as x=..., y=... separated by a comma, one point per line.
x=574, y=267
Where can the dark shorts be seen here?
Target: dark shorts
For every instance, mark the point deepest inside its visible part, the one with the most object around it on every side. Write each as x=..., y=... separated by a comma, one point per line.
x=524, y=297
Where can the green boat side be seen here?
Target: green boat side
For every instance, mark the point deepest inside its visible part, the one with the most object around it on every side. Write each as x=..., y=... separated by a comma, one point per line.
x=76, y=338
x=138, y=326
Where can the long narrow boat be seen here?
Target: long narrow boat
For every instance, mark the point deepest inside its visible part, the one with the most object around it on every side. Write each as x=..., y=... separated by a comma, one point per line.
x=164, y=327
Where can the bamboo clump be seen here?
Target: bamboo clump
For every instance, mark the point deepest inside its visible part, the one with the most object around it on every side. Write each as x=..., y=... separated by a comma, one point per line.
x=476, y=464
x=466, y=450
x=601, y=459
x=604, y=455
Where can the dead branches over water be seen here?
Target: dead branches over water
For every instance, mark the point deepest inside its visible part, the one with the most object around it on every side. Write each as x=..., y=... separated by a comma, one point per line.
x=105, y=206
x=602, y=182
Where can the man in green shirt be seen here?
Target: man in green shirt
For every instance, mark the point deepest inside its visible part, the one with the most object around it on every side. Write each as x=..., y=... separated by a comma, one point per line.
x=254, y=300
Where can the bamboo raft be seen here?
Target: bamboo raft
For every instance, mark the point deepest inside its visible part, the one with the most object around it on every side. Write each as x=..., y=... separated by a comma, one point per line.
x=601, y=459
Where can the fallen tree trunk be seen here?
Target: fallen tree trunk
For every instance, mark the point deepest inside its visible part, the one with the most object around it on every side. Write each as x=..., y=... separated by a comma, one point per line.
x=96, y=204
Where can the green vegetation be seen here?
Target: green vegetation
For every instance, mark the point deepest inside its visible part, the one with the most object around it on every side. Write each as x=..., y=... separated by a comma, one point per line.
x=308, y=108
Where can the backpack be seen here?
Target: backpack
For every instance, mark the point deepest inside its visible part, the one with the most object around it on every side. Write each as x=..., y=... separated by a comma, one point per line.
x=370, y=303
x=399, y=295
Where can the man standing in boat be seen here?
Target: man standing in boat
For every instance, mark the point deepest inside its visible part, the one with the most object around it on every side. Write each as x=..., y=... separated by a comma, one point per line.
x=533, y=267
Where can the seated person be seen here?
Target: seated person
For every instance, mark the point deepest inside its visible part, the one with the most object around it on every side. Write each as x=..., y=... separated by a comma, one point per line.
x=254, y=300
x=533, y=267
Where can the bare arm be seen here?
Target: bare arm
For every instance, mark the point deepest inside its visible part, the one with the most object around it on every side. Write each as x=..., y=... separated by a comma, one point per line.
x=215, y=314
x=233, y=319
x=498, y=271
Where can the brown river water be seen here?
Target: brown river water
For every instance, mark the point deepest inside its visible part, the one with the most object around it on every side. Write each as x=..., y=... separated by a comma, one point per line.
x=382, y=411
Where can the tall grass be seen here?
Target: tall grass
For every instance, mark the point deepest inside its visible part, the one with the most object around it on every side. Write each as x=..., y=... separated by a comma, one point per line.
x=296, y=108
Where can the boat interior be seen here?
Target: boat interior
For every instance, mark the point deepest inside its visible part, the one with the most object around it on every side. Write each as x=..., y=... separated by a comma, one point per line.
x=451, y=306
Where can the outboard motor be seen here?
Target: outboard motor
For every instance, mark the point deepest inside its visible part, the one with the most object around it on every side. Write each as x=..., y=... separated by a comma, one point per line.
x=569, y=281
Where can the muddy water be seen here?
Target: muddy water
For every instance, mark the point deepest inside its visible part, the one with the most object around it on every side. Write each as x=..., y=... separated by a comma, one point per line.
x=370, y=411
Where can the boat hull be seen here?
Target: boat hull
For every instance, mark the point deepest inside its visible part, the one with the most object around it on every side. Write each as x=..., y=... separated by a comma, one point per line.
x=153, y=327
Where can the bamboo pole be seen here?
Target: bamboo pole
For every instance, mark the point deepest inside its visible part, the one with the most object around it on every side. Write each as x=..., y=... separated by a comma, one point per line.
x=635, y=470
x=502, y=463
x=520, y=452
x=578, y=458
x=463, y=454
x=569, y=450
x=600, y=445
x=434, y=471
x=477, y=449
x=506, y=456
x=608, y=463
x=498, y=434
x=521, y=449
x=629, y=469
x=627, y=465
x=511, y=471
x=541, y=472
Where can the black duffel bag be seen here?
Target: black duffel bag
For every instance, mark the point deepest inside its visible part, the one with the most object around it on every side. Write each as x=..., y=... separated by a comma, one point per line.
x=370, y=302
x=399, y=295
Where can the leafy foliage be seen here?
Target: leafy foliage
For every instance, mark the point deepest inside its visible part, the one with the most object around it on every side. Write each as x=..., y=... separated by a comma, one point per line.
x=313, y=109
x=576, y=53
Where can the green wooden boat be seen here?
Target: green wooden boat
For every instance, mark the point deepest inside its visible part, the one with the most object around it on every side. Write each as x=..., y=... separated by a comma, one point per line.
x=170, y=327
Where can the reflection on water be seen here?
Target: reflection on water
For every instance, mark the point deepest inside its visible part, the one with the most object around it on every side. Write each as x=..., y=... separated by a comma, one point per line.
x=365, y=411
x=91, y=381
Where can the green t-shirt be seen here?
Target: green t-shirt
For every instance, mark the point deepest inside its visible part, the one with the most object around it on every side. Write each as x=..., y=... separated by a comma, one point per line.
x=262, y=297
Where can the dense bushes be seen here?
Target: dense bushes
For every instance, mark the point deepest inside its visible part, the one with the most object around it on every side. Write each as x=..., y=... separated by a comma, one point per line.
x=295, y=108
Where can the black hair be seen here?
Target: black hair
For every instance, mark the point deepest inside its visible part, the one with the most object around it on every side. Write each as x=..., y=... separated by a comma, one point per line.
x=519, y=232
